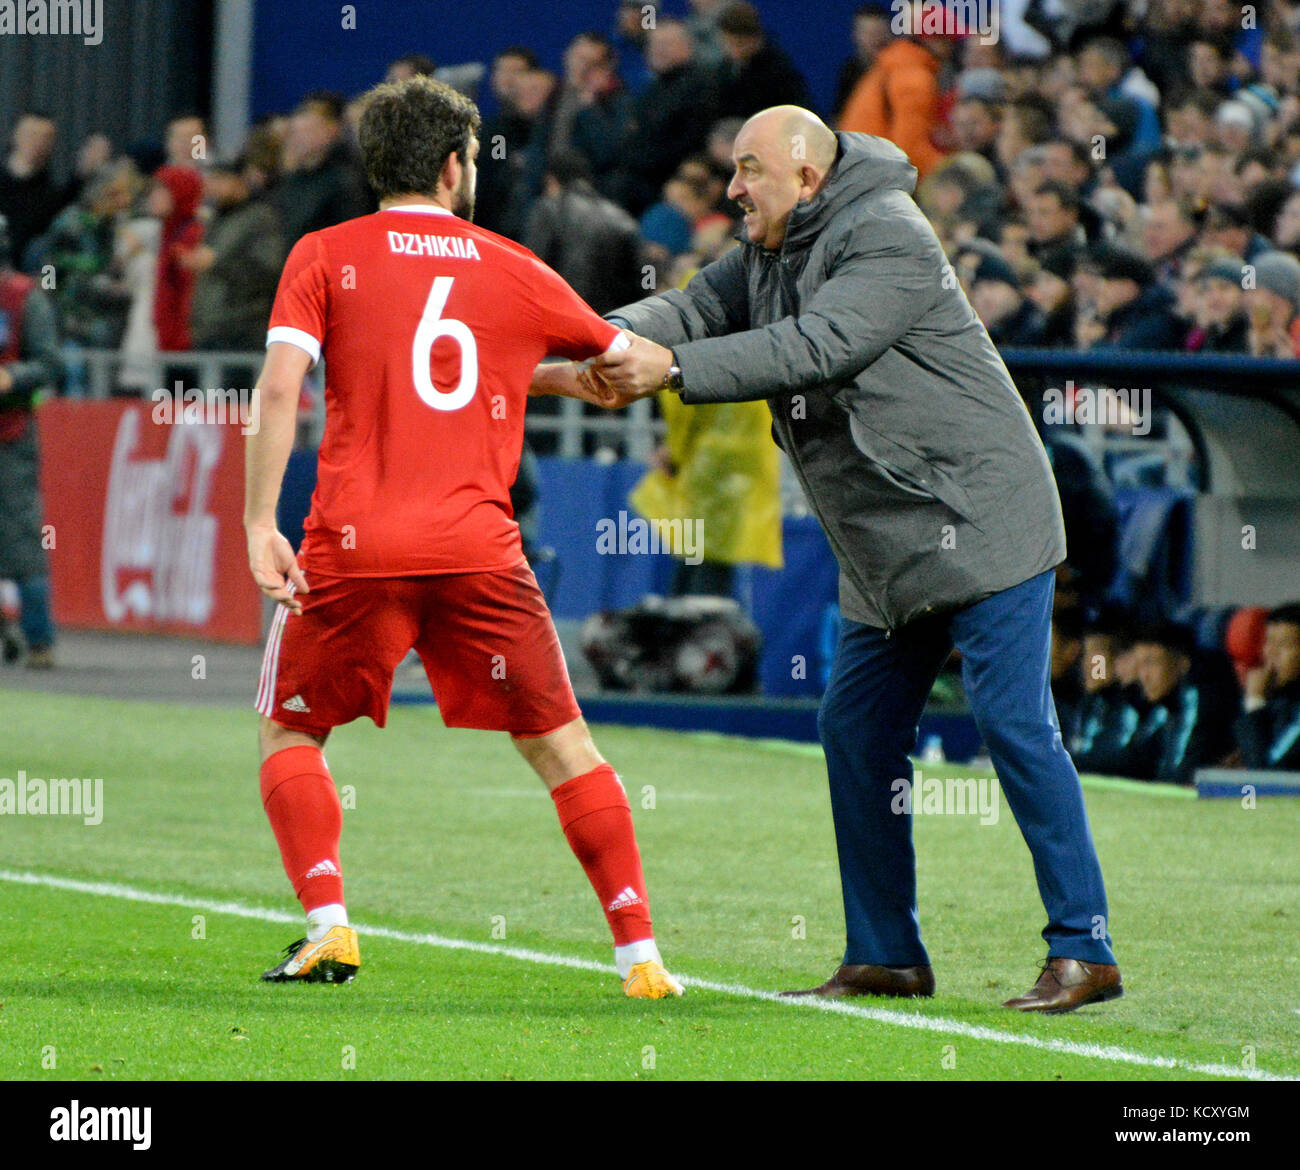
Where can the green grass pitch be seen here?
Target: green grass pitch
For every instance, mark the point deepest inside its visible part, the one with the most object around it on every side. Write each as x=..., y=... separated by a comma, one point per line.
x=451, y=836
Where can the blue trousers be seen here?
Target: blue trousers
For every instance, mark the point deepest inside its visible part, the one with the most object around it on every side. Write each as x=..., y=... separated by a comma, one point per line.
x=868, y=724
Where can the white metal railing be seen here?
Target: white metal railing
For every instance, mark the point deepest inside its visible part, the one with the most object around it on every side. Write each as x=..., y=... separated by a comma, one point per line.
x=96, y=373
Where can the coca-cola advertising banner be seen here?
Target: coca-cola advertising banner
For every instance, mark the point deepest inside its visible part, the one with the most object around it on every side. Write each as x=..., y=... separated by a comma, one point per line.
x=147, y=516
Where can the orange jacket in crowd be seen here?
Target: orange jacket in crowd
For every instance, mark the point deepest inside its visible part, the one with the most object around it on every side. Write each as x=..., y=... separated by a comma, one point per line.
x=898, y=98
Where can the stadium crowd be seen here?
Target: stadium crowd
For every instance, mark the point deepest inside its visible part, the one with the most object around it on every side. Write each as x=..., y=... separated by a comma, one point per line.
x=1120, y=173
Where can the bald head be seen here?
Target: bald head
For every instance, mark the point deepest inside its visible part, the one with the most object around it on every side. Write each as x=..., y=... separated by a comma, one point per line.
x=782, y=156
x=798, y=134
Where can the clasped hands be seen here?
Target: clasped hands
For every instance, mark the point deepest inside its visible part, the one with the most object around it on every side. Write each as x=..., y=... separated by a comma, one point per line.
x=612, y=380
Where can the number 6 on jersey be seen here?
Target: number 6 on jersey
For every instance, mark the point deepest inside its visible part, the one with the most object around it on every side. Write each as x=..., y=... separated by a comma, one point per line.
x=432, y=326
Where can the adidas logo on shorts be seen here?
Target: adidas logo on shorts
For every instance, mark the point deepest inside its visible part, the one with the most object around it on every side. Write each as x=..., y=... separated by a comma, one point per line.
x=296, y=704
x=629, y=897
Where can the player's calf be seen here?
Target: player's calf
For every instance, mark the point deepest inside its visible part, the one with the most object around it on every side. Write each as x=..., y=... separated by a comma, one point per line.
x=597, y=822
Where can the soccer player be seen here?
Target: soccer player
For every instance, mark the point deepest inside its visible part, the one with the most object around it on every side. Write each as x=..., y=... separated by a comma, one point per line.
x=431, y=330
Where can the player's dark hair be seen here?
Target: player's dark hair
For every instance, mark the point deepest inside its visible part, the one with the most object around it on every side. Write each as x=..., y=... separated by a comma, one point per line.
x=408, y=131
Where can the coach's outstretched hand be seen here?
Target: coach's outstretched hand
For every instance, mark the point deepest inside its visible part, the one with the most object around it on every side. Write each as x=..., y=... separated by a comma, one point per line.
x=275, y=568
x=636, y=371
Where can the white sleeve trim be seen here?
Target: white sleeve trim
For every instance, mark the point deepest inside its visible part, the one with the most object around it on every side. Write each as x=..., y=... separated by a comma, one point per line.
x=621, y=342
x=299, y=337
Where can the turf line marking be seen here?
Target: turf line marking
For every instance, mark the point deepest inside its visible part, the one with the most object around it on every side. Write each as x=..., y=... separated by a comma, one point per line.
x=899, y=1019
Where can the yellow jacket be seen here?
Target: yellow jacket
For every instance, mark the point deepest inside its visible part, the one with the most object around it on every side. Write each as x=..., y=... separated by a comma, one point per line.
x=728, y=477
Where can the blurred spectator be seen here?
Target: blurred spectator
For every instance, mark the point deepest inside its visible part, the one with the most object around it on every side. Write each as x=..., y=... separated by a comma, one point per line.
x=755, y=73
x=1243, y=639
x=504, y=135
x=1235, y=127
x=1091, y=522
x=1286, y=228
x=322, y=184
x=590, y=84
x=1052, y=292
x=1169, y=232
x=1107, y=716
x=898, y=98
x=1023, y=124
x=174, y=201
x=602, y=121
x=1189, y=118
x=1268, y=730
x=1179, y=732
x=703, y=23
x=187, y=141
x=1207, y=67
x=1067, y=681
x=995, y=294
x=1104, y=66
x=1272, y=306
x=589, y=240
x=411, y=65
x=672, y=118
x=718, y=468
x=975, y=124
x=29, y=196
x=632, y=25
x=29, y=362
x=238, y=266
x=91, y=298
x=135, y=255
x=262, y=154
x=1228, y=226
x=1219, y=322
x=961, y=197
x=1127, y=308
x=870, y=35
x=1053, y=217
x=668, y=226
x=720, y=142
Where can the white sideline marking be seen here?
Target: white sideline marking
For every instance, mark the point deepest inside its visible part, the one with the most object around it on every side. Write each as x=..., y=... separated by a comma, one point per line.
x=897, y=1019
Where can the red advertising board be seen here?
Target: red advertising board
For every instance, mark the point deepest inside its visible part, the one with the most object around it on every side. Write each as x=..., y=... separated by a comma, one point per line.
x=147, y=522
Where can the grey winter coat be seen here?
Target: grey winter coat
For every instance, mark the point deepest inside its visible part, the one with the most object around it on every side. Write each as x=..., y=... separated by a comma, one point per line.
x=912, y=444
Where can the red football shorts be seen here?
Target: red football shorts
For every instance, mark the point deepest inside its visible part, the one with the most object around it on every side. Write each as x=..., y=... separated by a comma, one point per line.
x=486, y=640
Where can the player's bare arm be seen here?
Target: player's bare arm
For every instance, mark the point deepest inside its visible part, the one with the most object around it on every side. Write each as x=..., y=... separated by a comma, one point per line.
x=572, y=380
x=270, y=556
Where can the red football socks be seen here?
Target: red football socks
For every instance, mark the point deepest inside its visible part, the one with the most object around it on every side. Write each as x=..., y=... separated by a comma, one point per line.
x=307, y=819
x=597, y=820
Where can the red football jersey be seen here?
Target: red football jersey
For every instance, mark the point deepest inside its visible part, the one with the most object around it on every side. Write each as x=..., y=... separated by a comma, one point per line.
x=430, y=328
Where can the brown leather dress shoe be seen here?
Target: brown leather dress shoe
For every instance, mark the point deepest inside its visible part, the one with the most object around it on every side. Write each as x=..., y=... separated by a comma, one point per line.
x=868, y=979
x=1066, y=984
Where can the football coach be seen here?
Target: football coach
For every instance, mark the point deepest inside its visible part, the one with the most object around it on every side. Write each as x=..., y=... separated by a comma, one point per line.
x=922, y=464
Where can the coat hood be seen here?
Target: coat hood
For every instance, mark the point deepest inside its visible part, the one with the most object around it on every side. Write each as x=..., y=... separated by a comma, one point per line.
x=865, y=164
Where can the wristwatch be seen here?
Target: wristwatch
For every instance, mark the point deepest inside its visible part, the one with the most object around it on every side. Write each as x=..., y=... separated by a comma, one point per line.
x=673, y=379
